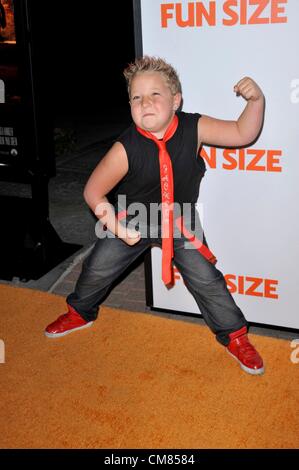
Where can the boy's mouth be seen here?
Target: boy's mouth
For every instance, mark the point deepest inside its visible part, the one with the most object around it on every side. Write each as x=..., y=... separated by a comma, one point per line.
x=148, y=114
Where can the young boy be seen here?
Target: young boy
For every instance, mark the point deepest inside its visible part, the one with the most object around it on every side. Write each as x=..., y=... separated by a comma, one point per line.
x=155, y=161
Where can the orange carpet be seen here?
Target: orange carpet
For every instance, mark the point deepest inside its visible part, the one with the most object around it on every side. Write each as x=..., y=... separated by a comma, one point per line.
x=136, y=381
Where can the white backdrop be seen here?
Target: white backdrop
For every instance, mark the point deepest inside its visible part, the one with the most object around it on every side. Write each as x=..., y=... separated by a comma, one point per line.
x=250, y=209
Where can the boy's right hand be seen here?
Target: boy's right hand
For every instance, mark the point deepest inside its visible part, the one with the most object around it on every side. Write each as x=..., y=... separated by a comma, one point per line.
x=131, y=237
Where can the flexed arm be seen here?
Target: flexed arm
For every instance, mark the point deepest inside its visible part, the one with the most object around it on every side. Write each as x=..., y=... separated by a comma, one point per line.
x=238, y=133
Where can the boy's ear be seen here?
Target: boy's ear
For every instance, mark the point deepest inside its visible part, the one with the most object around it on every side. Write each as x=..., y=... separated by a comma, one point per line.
x=177, y=101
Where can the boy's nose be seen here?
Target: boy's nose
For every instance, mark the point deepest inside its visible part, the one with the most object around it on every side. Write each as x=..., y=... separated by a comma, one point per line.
x=146, y=100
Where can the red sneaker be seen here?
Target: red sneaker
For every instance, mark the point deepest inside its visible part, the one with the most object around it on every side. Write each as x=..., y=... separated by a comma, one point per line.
x=243, y=351
x=66, y=323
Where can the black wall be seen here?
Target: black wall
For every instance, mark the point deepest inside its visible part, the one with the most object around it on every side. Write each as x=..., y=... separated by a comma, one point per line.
x=84, y=48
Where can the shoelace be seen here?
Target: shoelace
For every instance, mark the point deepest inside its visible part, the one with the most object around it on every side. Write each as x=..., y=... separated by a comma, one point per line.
x=246, y=348
x=66, y=317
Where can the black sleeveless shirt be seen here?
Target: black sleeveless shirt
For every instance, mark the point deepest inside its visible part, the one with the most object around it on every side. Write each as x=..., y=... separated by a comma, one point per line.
x=142, y=182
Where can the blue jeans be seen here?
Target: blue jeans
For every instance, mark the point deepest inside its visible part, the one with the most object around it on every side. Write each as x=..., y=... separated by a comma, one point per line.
x=111, y=256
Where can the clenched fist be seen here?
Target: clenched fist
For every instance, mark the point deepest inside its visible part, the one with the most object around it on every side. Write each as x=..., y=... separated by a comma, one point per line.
x=249, y=89
x=130, y=236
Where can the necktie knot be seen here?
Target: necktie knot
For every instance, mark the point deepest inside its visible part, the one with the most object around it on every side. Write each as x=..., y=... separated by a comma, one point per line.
x=161, y=145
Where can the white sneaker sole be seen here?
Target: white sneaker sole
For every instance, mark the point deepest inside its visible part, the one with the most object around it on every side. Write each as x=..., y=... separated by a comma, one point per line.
x=247, y=369
x=58, y=335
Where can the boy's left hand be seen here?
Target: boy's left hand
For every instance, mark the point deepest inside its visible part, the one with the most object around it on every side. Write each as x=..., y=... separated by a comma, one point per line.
x=249, y=89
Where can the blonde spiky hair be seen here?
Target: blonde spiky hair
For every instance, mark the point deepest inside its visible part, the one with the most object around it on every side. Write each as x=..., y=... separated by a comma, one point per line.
x=153, y=64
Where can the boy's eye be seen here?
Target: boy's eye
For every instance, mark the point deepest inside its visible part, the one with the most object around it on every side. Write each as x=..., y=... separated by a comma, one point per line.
x=156, y=93
x=134, y=98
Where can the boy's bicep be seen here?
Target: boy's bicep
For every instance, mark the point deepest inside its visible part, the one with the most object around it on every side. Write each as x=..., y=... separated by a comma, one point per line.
x=111, y=169
x=219, y=132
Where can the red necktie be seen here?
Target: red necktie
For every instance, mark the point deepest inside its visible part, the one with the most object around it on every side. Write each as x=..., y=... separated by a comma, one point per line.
x=166, y=179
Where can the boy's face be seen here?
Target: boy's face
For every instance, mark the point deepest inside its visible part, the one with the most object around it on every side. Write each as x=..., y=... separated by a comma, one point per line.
x=152, y=103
